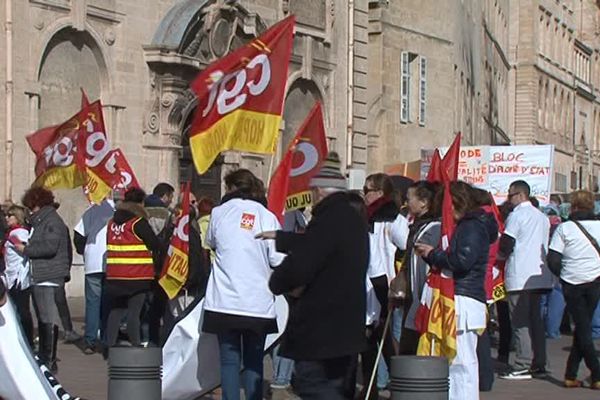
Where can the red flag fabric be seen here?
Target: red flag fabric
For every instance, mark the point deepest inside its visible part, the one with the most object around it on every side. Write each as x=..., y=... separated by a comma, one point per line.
x=450, y=161
x=176, y=267
x=288, y=189
x=84, y=99
x=434, y=174
x=240, y=97
x=436, y=315
x=57, y=155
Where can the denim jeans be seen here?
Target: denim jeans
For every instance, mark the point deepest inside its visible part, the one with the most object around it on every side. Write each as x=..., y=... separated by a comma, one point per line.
x=553, y=307
x=596, y=323
x=282, y=368
x=383, y=375
x=93, y=305
x=237, y=348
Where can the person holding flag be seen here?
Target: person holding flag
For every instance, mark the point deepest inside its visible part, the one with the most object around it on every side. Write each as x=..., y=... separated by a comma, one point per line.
x=467, y=258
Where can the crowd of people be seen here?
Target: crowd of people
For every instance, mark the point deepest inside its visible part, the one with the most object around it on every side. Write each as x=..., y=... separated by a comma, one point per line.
x=353, y=273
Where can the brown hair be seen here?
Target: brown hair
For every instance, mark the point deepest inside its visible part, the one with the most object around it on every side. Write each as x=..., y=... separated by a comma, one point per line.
x=37, y=197
x=582, y=200
x=381, y=182
x=245, y=182
x=463, y=197
x=429, y=192
x=18, y=212
x=205, y=206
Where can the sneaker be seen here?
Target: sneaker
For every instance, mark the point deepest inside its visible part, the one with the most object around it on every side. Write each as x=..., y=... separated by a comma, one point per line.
x=572, y=383
x=539, y=373
x=71, y=337
x=279, y=386
x=516, y=375
x=89, y=350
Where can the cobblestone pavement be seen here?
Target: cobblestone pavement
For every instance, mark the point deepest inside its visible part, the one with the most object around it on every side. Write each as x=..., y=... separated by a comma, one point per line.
x=86, y=376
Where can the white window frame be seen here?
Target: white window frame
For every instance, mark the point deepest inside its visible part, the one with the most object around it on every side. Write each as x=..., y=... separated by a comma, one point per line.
x=422, y=90
x=405, y=87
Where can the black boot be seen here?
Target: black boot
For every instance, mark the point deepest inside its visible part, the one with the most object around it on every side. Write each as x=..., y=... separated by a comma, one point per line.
x=45, y=332
x=54, y=359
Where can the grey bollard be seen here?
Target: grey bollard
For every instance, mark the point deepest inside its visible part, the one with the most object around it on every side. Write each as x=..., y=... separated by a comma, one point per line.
x=419, y=378
x=134, y=373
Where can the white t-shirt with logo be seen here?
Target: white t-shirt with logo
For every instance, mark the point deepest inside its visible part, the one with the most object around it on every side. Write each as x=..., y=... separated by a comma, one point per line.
x=239, y=281
x=526, y=266
x=580, y=261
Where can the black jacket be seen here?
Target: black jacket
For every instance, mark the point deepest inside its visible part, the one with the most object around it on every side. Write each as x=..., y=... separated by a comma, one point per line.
x=330, y=261
x=468, y=253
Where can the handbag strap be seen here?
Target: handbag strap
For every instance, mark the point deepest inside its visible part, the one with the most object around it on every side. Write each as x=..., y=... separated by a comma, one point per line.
x=588, y=236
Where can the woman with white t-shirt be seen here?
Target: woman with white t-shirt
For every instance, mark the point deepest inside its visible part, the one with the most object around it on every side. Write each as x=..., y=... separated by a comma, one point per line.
x=239, y=307
x=18, y=275
x=575, y=256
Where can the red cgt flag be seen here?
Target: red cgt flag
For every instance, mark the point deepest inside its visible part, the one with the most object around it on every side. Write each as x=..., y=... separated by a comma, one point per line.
x=176, y=268
x=288, y=189
x=58, y=161
x=451, y=158
x=240, y=97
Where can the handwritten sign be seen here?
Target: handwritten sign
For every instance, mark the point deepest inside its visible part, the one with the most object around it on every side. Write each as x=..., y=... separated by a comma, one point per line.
x=494, y=168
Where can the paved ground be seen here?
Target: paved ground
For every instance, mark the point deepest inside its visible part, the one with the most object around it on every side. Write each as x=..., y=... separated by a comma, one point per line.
x=86, y=376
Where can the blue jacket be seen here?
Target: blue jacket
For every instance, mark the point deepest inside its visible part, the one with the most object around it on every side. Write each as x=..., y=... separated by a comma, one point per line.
x=467, y=255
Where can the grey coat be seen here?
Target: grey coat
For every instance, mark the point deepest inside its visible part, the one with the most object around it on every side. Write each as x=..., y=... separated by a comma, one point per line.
x=49, y=247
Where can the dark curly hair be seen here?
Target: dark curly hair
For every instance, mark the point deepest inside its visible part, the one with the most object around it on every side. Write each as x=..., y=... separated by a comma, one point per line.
x=37, y=197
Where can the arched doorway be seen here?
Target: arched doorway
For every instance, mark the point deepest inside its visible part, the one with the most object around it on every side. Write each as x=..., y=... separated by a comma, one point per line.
x=194, y=33
x=300, y=99
x=69, y=62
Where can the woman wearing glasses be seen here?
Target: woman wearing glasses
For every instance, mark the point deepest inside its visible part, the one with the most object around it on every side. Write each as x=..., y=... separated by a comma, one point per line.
x=17, y=268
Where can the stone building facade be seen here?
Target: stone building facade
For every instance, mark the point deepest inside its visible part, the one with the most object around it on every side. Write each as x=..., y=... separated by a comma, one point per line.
x=429, y=79
x=556, y=50
x=393, y=76
x=139, y=57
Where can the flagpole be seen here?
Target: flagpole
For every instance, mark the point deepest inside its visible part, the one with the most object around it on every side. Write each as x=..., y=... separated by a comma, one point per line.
x=271, y=166
x=379, y=350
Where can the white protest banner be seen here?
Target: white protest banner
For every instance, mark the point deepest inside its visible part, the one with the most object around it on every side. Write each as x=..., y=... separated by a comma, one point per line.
x=191, y=364
x=22, y=377
x=493, y=168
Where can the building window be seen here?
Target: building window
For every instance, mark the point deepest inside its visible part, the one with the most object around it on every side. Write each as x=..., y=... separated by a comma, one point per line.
x=560, y=182
x=405, y=87
x=422, y=89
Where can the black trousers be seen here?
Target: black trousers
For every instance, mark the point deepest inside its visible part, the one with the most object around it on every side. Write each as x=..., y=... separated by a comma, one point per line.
x=504, y=330
x=22, y=300
x=581, y=302
x=121, y=306
x=325, y=379
x=369, y=356
x=486, y=366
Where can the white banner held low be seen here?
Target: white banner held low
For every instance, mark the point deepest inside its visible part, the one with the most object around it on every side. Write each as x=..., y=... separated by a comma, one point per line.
x=22, y=377
x=191, y=357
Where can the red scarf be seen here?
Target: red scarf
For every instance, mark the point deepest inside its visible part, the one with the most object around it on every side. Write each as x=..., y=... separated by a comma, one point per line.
x=376, y=205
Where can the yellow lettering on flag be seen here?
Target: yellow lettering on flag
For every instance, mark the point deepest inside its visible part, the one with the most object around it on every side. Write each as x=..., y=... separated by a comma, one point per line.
x=440, y=337
x=298, y=200
x=241, y=130
x=177, y=272
x=96, y=189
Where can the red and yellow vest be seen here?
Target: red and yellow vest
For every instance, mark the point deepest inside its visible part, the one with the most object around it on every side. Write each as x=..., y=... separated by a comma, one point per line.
x=127, y=256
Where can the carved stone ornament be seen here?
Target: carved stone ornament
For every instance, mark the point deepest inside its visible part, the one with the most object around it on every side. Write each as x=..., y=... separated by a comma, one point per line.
x=220, y=27
x=110, y=37
x=39, y=24
x=152, y=120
